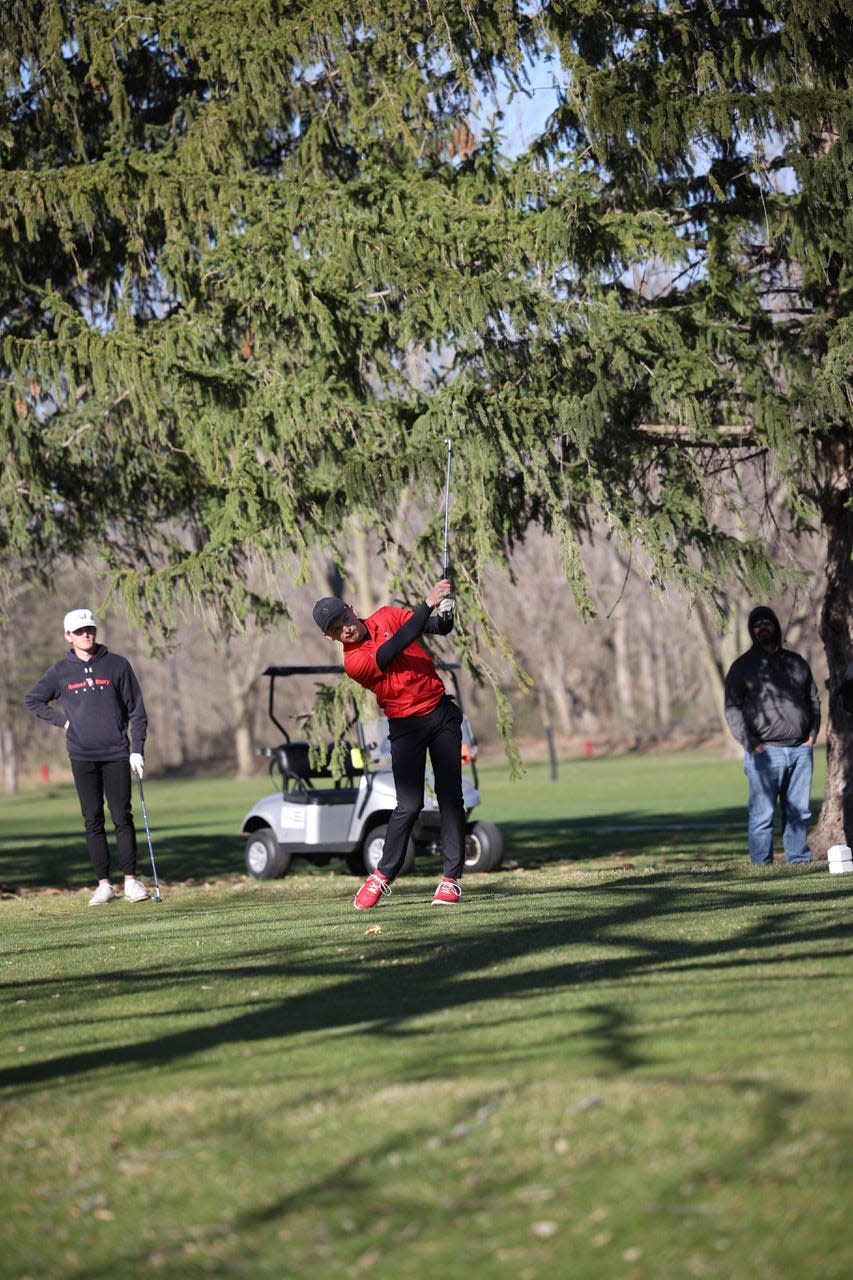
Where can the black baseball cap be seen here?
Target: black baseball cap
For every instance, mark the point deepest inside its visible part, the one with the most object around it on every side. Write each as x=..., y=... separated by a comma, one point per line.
x=326, y=610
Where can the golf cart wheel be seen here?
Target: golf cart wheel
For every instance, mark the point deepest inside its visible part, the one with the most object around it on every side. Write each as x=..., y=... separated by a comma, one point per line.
x=484, y=847
x=374, y=846
x=265, y=858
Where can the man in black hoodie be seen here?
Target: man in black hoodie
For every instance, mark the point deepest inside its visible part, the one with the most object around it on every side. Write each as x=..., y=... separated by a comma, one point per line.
x=100, y=699
x=773, y=710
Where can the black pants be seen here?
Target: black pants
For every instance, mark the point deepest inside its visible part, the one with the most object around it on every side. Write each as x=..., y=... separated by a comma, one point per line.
x=440, y=734
x=110, y=778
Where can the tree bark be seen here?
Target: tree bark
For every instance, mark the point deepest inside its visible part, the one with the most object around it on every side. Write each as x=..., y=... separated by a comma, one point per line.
x=622, y=669
x=9, y=758
x=238, y=696
x=554, y=694
x=835, y=824
x=240, y=678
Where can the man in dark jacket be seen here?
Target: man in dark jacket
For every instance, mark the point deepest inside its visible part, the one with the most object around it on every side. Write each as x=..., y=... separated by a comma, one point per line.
x=100, y=699
x=773, y=710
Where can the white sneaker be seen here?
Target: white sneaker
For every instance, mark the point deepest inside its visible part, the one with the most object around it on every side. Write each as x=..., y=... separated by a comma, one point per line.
x=135, y=891
x=103, y=893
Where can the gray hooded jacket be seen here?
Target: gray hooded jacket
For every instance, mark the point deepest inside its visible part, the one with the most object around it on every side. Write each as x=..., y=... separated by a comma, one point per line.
x=771, y=697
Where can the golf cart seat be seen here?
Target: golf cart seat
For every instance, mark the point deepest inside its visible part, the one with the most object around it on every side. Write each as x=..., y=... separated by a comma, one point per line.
x=291, y=759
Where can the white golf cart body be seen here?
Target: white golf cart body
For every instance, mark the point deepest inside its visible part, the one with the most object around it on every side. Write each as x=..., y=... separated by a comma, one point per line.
x=318, y=816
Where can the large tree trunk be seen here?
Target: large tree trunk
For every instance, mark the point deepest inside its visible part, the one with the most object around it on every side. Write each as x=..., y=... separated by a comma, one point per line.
x=241, y=719
x=9, y=757
x=240, y=678
x=182, y=749
x=835, y=825
x=554, y=692
x=622, y=669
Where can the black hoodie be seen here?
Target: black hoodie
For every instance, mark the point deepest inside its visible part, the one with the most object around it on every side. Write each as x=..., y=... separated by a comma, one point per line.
x=100, y=699
x=771, y=697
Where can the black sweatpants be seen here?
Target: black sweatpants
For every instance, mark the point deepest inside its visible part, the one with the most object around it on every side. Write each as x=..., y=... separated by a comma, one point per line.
x=95, y=780
x=440, y=734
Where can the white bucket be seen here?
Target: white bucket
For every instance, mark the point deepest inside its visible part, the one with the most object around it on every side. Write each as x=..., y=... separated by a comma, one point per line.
x=840, y=859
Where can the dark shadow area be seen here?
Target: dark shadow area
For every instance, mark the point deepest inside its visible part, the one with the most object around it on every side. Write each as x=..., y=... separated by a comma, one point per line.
x=554, y=840
x=436, y=973
x=59, y=860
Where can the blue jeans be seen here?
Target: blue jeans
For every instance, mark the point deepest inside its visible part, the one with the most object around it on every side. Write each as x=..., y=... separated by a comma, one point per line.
x=782, y=774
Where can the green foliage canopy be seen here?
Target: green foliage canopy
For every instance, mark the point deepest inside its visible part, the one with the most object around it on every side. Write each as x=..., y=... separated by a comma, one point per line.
x=259, y=260
x=226, y=228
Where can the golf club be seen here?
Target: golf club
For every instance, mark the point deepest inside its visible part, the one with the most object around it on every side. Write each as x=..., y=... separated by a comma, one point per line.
x=447, y=606
x=157, y=897
x=449, y=444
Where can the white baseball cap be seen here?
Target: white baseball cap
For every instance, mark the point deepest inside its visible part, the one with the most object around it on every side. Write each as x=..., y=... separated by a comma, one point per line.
x=78, y=618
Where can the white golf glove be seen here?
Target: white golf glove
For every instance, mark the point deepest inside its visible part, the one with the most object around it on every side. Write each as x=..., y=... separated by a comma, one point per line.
x=447, y=607
x=137, y=764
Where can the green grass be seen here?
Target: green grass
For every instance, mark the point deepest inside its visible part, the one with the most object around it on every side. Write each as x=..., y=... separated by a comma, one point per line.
x=626, y=1055
x=672, y=805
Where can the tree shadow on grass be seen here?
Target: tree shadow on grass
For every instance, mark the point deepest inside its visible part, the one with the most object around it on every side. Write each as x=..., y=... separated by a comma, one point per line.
x=624, y=834
x=59, y=860
x=558, y=944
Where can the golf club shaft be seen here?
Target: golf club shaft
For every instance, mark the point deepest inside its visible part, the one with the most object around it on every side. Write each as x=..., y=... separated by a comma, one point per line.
x=157, y=897
x=447, y=507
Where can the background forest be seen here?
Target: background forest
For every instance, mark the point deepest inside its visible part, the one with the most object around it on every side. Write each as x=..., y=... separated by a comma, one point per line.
x=646, y=673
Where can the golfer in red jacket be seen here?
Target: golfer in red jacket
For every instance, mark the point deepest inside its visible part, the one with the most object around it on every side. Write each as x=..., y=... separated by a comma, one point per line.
x=382, y=654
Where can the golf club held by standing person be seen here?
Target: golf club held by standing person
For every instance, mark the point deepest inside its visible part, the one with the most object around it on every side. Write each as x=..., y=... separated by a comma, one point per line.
x=382, y=653
x=100, y=701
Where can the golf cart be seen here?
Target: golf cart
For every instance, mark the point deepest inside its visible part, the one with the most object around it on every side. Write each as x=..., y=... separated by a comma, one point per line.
x=320, y=815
